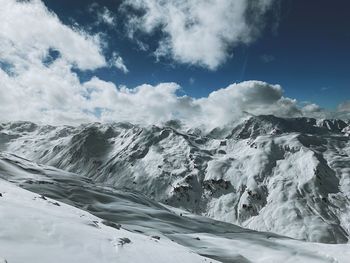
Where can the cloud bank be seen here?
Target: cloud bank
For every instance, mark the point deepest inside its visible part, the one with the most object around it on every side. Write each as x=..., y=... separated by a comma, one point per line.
x=67, y=101
x=199, y=32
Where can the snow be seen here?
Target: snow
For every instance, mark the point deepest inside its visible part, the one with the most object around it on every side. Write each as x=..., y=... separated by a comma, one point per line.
x=286, y=176
x=34, y=229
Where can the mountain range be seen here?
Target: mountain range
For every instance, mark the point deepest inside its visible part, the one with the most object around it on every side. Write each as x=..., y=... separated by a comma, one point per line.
x=287, y=178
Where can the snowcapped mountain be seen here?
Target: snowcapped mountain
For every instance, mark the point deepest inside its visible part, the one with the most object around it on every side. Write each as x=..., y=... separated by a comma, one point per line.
x=111, y=225
x=286, y=176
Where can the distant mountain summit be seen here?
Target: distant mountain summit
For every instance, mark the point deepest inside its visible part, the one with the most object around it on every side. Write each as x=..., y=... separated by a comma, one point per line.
x=269, y=124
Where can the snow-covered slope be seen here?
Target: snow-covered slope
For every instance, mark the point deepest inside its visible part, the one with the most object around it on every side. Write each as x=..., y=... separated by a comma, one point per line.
x=287, y=176
x=38, y=229
x=125, y=227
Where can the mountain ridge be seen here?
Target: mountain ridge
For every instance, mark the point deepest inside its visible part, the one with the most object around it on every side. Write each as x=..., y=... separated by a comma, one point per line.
x=264, y=173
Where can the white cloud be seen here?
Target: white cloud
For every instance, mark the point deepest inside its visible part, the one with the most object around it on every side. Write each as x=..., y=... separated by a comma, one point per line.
x=254, y=97
x=345, y=106
x=31, y=88
x=343, y=110
x=199, y=32
x=28, y=30
x=315, y=111
x=103, y=14
x=148, y=104
x=118, y=62
x=145, y=104
x=106, y=16
x=60, y=98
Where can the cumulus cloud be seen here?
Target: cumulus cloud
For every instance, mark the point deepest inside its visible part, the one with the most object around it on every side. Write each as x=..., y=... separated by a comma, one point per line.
x=199, y=32
x=315, y=111
x=345, y=106
x=68, y=101
x=343, y=110
x=28, y=30
x=254, y=97
x=311, y=108
x=147, y=104
x=37, y=56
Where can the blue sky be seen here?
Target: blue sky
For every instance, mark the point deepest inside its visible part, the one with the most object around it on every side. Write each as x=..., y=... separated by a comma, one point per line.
x=305, y=47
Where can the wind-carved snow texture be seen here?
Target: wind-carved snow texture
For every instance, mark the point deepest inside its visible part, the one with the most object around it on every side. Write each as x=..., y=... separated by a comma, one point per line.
x=286, y=176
